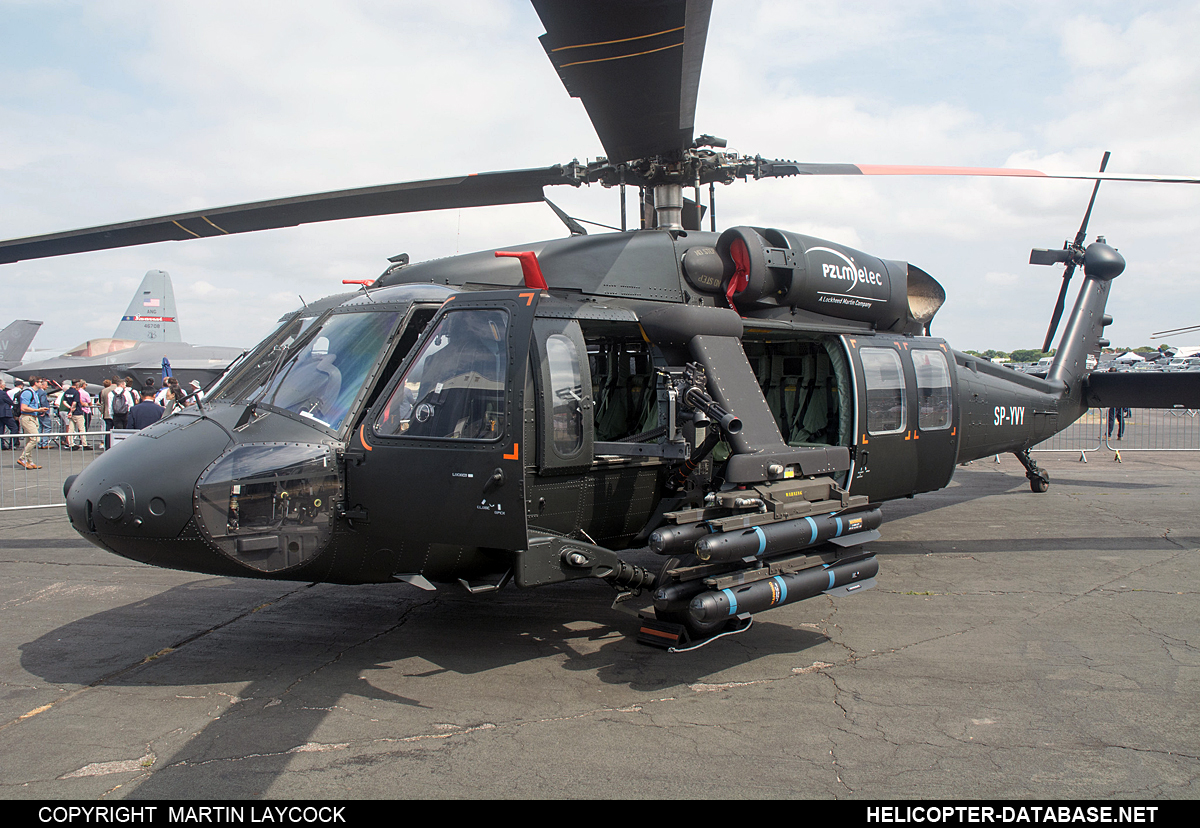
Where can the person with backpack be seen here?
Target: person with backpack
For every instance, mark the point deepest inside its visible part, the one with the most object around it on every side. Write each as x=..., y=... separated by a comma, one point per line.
x=121, y=403
x=31, y=409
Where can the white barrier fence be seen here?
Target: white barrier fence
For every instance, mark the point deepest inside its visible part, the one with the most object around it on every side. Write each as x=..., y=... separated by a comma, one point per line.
x=1146, y=429
x=58, y=456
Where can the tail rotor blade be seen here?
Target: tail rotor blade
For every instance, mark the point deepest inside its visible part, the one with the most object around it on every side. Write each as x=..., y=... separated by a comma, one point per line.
x=1082, y=234
x=1073, y=254
x=1058, y=306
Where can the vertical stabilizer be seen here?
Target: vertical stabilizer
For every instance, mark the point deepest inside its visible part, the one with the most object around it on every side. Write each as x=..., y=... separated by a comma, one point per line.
x=14, y=341
x=1084, y=333
x=151, y=315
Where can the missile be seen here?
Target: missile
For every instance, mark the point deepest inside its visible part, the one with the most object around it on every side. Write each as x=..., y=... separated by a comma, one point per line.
x=779, y=590
x=787, y=536
x=677, y=540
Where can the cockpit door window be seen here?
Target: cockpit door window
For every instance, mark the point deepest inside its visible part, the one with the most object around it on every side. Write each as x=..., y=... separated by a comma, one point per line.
x=454, y=389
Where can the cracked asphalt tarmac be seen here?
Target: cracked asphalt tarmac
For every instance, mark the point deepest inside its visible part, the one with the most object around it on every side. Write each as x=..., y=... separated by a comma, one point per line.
x=1017, y=645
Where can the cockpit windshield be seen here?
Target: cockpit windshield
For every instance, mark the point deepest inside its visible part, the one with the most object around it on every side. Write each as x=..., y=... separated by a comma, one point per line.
x=247, y=378
x=315, y=370
x=100, y=347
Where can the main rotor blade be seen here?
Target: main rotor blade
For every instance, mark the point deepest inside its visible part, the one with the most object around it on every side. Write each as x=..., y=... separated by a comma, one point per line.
x=476, y=190
x=1184, y=330
x=785, y=168
x=634, y=64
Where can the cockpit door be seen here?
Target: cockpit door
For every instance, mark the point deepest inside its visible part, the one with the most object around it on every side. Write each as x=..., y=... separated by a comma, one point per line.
x=439, y=458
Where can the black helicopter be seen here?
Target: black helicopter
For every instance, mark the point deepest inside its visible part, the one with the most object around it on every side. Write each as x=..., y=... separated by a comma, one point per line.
x=739, y=403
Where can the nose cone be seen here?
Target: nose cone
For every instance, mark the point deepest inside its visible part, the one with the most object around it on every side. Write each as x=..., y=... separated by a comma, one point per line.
x=136, y=499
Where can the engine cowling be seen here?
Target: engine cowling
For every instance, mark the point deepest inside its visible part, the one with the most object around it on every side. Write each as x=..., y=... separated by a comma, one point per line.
x=762, y=268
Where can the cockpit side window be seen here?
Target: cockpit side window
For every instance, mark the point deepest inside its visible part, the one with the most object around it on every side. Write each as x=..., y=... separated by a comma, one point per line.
x=566, y=390
x=455, y=387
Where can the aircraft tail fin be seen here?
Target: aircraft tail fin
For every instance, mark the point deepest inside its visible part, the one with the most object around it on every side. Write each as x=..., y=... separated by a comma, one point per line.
x=1083, y=335
x=14, y=341
x=151, y=315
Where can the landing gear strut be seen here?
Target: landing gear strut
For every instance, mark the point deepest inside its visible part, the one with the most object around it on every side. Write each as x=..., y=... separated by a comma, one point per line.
x=1039, y=478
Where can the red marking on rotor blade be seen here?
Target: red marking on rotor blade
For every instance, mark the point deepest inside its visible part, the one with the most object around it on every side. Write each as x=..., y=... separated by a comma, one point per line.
x=900, y=169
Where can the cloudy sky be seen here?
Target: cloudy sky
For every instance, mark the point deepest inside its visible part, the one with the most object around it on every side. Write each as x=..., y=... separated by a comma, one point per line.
x=113, y=110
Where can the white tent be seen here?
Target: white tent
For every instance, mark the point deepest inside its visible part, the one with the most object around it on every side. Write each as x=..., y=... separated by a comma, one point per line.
x=1129, y=356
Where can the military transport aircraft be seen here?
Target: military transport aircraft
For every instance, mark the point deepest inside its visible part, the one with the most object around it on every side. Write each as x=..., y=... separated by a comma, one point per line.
x=738, y=402
x=148, y=333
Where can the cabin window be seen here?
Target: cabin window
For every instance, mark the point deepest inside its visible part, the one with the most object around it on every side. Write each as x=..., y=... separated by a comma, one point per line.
x=625, y=390
x=803, y=383
x=566, y=388
x=933, y=389
x=884, y=378
x=455, y=386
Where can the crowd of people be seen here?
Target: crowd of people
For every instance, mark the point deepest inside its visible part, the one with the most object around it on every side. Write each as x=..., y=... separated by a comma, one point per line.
x=28, y=409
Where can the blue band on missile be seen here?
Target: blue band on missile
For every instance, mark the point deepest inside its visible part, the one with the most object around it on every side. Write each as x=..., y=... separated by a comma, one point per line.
x=732, y=601
x=838, y=521
x=813, y=524
x=830, y=580
x=762, y=541
x=782, y=589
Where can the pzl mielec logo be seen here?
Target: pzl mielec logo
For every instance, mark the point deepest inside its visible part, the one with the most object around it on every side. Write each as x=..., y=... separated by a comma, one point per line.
x=847, y=272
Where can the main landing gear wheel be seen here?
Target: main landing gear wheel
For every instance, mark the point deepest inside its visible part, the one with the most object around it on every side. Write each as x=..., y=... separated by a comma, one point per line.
x=1039, y=478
